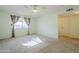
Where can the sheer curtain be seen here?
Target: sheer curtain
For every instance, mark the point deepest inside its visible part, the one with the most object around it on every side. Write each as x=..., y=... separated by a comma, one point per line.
x=14, y=19
x=27, y=20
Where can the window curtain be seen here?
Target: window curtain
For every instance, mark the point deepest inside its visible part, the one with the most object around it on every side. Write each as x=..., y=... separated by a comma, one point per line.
x=27, y=20
x=14, y=19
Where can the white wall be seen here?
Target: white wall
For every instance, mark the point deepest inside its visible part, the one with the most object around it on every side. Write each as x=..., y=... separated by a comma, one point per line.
x=5, y=26
x=33, y=25
x=47, y=25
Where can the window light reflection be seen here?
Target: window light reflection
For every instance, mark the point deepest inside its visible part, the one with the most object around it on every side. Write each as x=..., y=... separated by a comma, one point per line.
x=33, y=42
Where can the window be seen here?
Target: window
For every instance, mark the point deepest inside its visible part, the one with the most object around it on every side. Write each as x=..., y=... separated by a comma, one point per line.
x=21, y=24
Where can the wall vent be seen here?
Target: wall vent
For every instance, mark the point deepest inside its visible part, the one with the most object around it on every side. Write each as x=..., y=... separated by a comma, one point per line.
x=70, y=9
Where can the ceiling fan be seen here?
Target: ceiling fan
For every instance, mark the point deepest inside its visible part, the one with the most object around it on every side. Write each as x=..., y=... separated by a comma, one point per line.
x=35, y=8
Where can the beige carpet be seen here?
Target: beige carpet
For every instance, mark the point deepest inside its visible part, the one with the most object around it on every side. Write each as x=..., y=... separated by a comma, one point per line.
x=39, y=44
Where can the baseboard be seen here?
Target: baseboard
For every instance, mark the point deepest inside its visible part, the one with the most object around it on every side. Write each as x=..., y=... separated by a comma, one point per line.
x=69, y=37
x=6, y=38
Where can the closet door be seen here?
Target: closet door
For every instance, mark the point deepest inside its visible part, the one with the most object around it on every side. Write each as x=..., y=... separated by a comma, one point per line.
x=64, y=26
x=74, y=26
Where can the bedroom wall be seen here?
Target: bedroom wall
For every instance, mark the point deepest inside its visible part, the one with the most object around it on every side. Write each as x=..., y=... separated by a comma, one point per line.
x=5, y=26
x=47, y=25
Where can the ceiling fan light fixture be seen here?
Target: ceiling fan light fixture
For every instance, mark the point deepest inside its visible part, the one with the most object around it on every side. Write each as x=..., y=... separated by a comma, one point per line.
x=35, y=8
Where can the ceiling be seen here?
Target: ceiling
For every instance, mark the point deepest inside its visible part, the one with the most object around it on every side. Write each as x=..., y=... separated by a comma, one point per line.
x=26, y=10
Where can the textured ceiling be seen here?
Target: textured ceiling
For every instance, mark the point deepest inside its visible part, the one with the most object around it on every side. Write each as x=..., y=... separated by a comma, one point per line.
x=26, y=10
